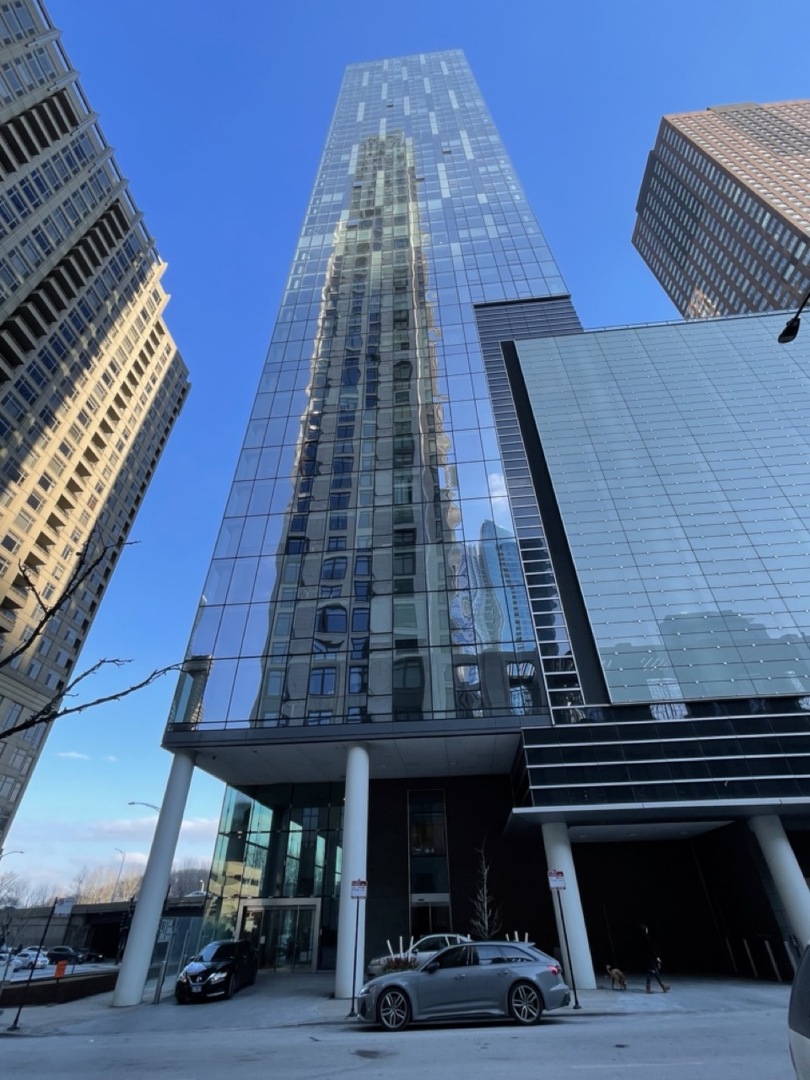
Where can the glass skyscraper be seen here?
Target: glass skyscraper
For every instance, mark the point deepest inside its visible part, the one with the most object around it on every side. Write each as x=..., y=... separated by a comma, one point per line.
x=368, y=581
x=362, y=570
x=489, y=587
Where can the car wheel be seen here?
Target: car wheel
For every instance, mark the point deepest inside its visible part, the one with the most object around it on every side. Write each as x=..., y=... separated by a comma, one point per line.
x=525, y=1003
x=229, y=989
x=394, y=1010
x=180, y=1000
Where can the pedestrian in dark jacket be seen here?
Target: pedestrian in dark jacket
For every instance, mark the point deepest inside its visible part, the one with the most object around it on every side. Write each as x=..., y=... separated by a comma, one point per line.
x=652, y=962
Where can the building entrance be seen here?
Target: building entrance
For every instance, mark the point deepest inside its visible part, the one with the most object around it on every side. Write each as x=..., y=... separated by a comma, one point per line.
x=284, y=932
x=429, y=918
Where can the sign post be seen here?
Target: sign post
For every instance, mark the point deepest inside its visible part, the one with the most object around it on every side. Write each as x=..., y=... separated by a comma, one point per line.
x=61, y=910
x=556, y=882
x=359, y=892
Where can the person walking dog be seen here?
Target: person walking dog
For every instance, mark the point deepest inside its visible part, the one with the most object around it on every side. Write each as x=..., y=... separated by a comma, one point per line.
x=652, y=962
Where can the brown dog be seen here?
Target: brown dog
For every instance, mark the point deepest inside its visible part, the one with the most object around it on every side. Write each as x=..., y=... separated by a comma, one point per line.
x=617, y=979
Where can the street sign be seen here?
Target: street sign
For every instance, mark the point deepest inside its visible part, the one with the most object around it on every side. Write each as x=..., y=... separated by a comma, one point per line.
x=62, y=908
x=556, y=879
x=359, y=889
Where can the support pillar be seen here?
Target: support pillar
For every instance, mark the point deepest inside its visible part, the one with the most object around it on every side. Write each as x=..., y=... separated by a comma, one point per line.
x=134, y=968
x=352, y=913
x=786, y=873
x=559, y=857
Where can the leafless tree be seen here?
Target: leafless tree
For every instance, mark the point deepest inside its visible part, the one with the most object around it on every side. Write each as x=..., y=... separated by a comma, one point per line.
x=103, y=885
x=89, y=559
x=486, y=920
x=187, y=877
x=12, y=886
x=16, y=891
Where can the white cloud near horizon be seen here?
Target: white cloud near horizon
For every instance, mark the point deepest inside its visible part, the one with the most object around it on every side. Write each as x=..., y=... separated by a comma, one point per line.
x=73, y=755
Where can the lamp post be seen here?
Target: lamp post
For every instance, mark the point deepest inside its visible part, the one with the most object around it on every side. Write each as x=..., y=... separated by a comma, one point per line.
x=151, y=805
x=15, y=852
x=793, y=324
x=123, y=855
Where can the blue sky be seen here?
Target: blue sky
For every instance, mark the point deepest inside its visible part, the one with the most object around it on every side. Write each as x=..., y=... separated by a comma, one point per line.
x=217, y=112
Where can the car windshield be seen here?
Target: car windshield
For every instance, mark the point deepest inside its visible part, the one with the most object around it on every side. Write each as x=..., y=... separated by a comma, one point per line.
x=217, y=950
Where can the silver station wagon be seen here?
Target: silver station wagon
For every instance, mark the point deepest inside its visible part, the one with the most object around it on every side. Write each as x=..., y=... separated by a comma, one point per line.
x=477, y=979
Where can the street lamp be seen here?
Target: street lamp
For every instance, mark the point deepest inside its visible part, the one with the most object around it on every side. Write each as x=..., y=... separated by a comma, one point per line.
x=151, y=805
x=123, y=855
x=793, y=324
x=15, y=852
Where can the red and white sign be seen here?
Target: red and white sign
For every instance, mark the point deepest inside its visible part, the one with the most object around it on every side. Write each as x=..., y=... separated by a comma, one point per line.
x=556, y=879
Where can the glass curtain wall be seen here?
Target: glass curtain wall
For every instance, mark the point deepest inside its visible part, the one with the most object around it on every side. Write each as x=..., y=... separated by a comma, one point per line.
x=364, y=570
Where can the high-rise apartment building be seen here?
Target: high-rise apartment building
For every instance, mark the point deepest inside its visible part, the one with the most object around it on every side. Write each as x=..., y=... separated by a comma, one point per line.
x=724, y=209
x=489, y=587
x=90, y=379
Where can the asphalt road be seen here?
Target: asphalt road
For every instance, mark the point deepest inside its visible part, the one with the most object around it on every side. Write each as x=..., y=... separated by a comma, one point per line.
x=699, y=1037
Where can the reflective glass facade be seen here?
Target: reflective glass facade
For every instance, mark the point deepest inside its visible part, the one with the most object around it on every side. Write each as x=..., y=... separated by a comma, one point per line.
x=678, y=455
x=367, y=566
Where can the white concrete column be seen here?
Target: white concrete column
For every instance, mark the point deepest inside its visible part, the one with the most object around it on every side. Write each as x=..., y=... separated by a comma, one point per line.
x=786, y=872
x=559, y=857
x=149, y=908
x=352, y=913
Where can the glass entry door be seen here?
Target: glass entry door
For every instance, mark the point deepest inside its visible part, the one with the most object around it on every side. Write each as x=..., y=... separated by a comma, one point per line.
x=284, y=932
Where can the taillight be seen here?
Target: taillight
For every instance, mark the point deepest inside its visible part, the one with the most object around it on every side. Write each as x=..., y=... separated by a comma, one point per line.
x=554, y=969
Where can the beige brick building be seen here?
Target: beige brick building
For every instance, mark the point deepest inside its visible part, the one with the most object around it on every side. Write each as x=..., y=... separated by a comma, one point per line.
x=90, y=379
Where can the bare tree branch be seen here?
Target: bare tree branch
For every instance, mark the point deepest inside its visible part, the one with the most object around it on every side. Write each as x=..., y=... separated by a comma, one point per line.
x=55, y=709
x=486, y=920
x=86, y=564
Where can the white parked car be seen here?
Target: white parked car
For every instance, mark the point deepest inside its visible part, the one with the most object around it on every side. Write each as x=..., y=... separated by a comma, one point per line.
x=32, y=957
x=417, y=954
x=7, y=961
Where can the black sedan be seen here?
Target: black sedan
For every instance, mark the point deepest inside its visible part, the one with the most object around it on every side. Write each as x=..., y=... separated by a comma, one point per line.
x=66, y=953
x=90, y=956
x=218, y=970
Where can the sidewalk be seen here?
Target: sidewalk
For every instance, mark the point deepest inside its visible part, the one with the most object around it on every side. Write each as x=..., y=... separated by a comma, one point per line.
x=283, y=1000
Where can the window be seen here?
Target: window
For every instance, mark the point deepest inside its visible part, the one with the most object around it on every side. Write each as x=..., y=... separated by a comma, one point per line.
x=360, y=620
x=362, y=565
x=323, y=680
x=403, y=489
x=359, y=648
x=332, y=619
x=336, y=543
x=11, y=542
x=404, y=563
x=334, y=569
x=319, y=716
x=358, y=680
x=24, y=520
x=408, y=674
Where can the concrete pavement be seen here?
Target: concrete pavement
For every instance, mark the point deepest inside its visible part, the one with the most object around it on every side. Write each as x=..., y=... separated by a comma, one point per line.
x=293, y=1000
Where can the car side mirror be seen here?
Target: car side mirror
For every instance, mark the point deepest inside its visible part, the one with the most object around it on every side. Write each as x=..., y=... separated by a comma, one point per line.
x=432, y=966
